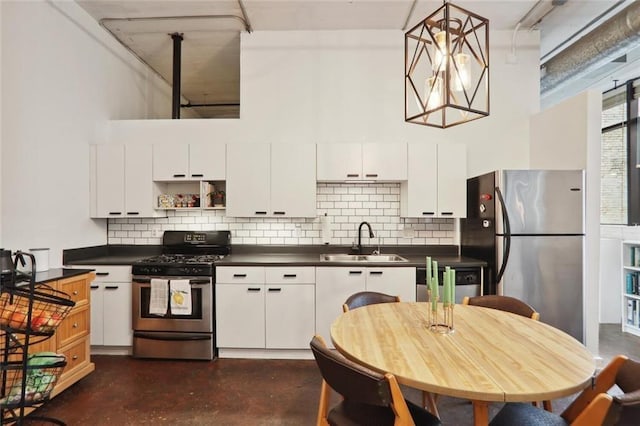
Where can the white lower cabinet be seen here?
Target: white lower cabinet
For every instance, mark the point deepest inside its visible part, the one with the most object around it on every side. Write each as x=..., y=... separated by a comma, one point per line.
x=240, y=318
x=289, y=313
x=335, y=284
x=111, y=306
x=399, y=281
x=264, y=307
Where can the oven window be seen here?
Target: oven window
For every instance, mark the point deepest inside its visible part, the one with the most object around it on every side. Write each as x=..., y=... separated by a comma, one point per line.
x=196, y=305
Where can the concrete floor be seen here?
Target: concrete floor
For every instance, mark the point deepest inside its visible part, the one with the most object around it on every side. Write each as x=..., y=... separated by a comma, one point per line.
x=126, y=391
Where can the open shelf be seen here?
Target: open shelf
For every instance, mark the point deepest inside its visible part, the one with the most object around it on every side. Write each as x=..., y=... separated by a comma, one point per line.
x=191, y=195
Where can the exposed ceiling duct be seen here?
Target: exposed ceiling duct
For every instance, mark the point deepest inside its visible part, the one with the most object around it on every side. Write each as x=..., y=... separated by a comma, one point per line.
x=607, y=42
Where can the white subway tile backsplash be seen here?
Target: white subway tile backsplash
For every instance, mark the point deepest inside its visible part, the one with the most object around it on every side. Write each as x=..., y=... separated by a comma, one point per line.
x=346, y=204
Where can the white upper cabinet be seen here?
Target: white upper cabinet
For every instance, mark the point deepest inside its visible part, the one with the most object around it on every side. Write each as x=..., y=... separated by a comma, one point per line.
x=276, y=180
x=139, y=189
x=357, y=161
x=386, y=162
x=248, y=186
x=452, y=180
x=437, y=181
x=108, y=164
x=339, y=161
x=207, y=161
x=293, y=180
x=189, y=162
x=121, y=184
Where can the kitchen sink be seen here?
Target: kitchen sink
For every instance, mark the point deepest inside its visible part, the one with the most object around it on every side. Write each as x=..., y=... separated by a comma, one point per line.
x=362, y=258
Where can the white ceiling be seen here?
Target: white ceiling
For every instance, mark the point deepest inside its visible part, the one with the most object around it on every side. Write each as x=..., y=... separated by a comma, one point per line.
x=211, y=31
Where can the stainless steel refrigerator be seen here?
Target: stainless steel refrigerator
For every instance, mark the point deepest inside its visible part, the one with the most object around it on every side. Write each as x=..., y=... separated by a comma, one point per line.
x=528, y=225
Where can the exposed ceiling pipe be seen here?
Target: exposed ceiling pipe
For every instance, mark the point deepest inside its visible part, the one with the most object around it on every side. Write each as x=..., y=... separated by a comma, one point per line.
x=607, y=42
x=177, y=67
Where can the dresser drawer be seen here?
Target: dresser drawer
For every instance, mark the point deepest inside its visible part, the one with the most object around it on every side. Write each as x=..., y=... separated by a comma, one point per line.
x=111, y=274
x=290, y=275
x=77, y=355
x=76, y=288
x=240, y=274
x=74, y=326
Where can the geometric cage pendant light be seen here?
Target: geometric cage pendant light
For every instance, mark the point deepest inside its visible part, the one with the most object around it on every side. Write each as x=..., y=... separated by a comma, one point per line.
x=447, y=68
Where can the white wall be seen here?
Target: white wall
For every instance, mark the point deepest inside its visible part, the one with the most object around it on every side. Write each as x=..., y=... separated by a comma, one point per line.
x=339, y=86
x=61, y=76
x=567, y=136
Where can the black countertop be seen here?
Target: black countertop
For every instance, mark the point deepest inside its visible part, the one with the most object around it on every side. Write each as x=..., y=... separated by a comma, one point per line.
x=286, y=255
x=313, y=259
x=58, y=274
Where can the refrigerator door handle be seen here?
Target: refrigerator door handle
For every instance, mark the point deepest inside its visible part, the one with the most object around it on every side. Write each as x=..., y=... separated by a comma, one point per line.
x=506, y=248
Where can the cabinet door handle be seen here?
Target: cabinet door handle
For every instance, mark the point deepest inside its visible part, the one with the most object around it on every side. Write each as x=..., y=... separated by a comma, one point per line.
x=74, y=292
x=197, y=175
x=75, y=325
x=102, y=274
x=279, y=213
x=446, y=213
x=372, y=175
x=352, y=175
x=355, y=272
x=261, y=212
x=428, y=213
x=133, y=213
x=111, y=287
x=289, y=275
x=95, y=287
x=75, y=357
x=253, y=289
x=179, y=175
x=115, y=213
x=375, y=272
x=274, y=290
x=239, y=275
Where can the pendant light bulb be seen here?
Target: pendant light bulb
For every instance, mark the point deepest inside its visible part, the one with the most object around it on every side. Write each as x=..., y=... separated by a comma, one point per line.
x=434, y=90
x=461, y=75
x=440, y=52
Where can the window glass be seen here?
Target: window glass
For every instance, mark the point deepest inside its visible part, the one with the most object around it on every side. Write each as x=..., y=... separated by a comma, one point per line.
x=613, y=165
x=613, y=176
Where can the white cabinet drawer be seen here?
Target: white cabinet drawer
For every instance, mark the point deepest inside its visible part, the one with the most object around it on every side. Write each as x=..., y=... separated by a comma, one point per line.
x=109, y=273
x=290, y=275
x=239, y=274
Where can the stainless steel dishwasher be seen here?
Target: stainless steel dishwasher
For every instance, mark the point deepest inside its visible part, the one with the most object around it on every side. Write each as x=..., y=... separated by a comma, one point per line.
x=468, y=282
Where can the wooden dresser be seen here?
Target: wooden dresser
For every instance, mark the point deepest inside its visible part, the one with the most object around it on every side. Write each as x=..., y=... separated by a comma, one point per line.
x=72, y=336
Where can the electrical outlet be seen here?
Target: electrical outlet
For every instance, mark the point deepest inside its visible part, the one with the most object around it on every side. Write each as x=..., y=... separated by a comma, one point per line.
x=298, y=230
x=156, y=233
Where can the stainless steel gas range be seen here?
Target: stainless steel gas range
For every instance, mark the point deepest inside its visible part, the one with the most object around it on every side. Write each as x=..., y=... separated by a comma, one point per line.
x=173, y=296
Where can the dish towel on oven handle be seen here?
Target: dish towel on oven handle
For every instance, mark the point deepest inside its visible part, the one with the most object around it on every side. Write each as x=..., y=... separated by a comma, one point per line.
x=180, y=302
x=159, y=297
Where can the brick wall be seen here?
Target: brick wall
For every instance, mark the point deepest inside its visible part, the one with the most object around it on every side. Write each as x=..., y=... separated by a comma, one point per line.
x=613, y=169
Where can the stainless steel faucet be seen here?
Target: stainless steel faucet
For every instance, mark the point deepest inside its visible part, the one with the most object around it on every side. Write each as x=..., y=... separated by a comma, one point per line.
x=371, y=235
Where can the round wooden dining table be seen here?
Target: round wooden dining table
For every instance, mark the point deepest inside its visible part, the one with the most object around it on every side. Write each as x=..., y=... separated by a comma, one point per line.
x=491, y=355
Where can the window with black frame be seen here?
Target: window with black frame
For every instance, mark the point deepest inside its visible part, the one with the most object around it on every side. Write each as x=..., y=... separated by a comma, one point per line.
x=620, y=156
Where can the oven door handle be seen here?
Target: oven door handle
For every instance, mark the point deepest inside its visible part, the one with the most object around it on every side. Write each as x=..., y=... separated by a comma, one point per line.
x=202, y=281
x=173, y=337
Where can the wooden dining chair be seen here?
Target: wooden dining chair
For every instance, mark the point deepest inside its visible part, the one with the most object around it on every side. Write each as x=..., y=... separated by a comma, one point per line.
x=364, y=298
x=594, y=406
x=503, y=303
x=369, y=397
